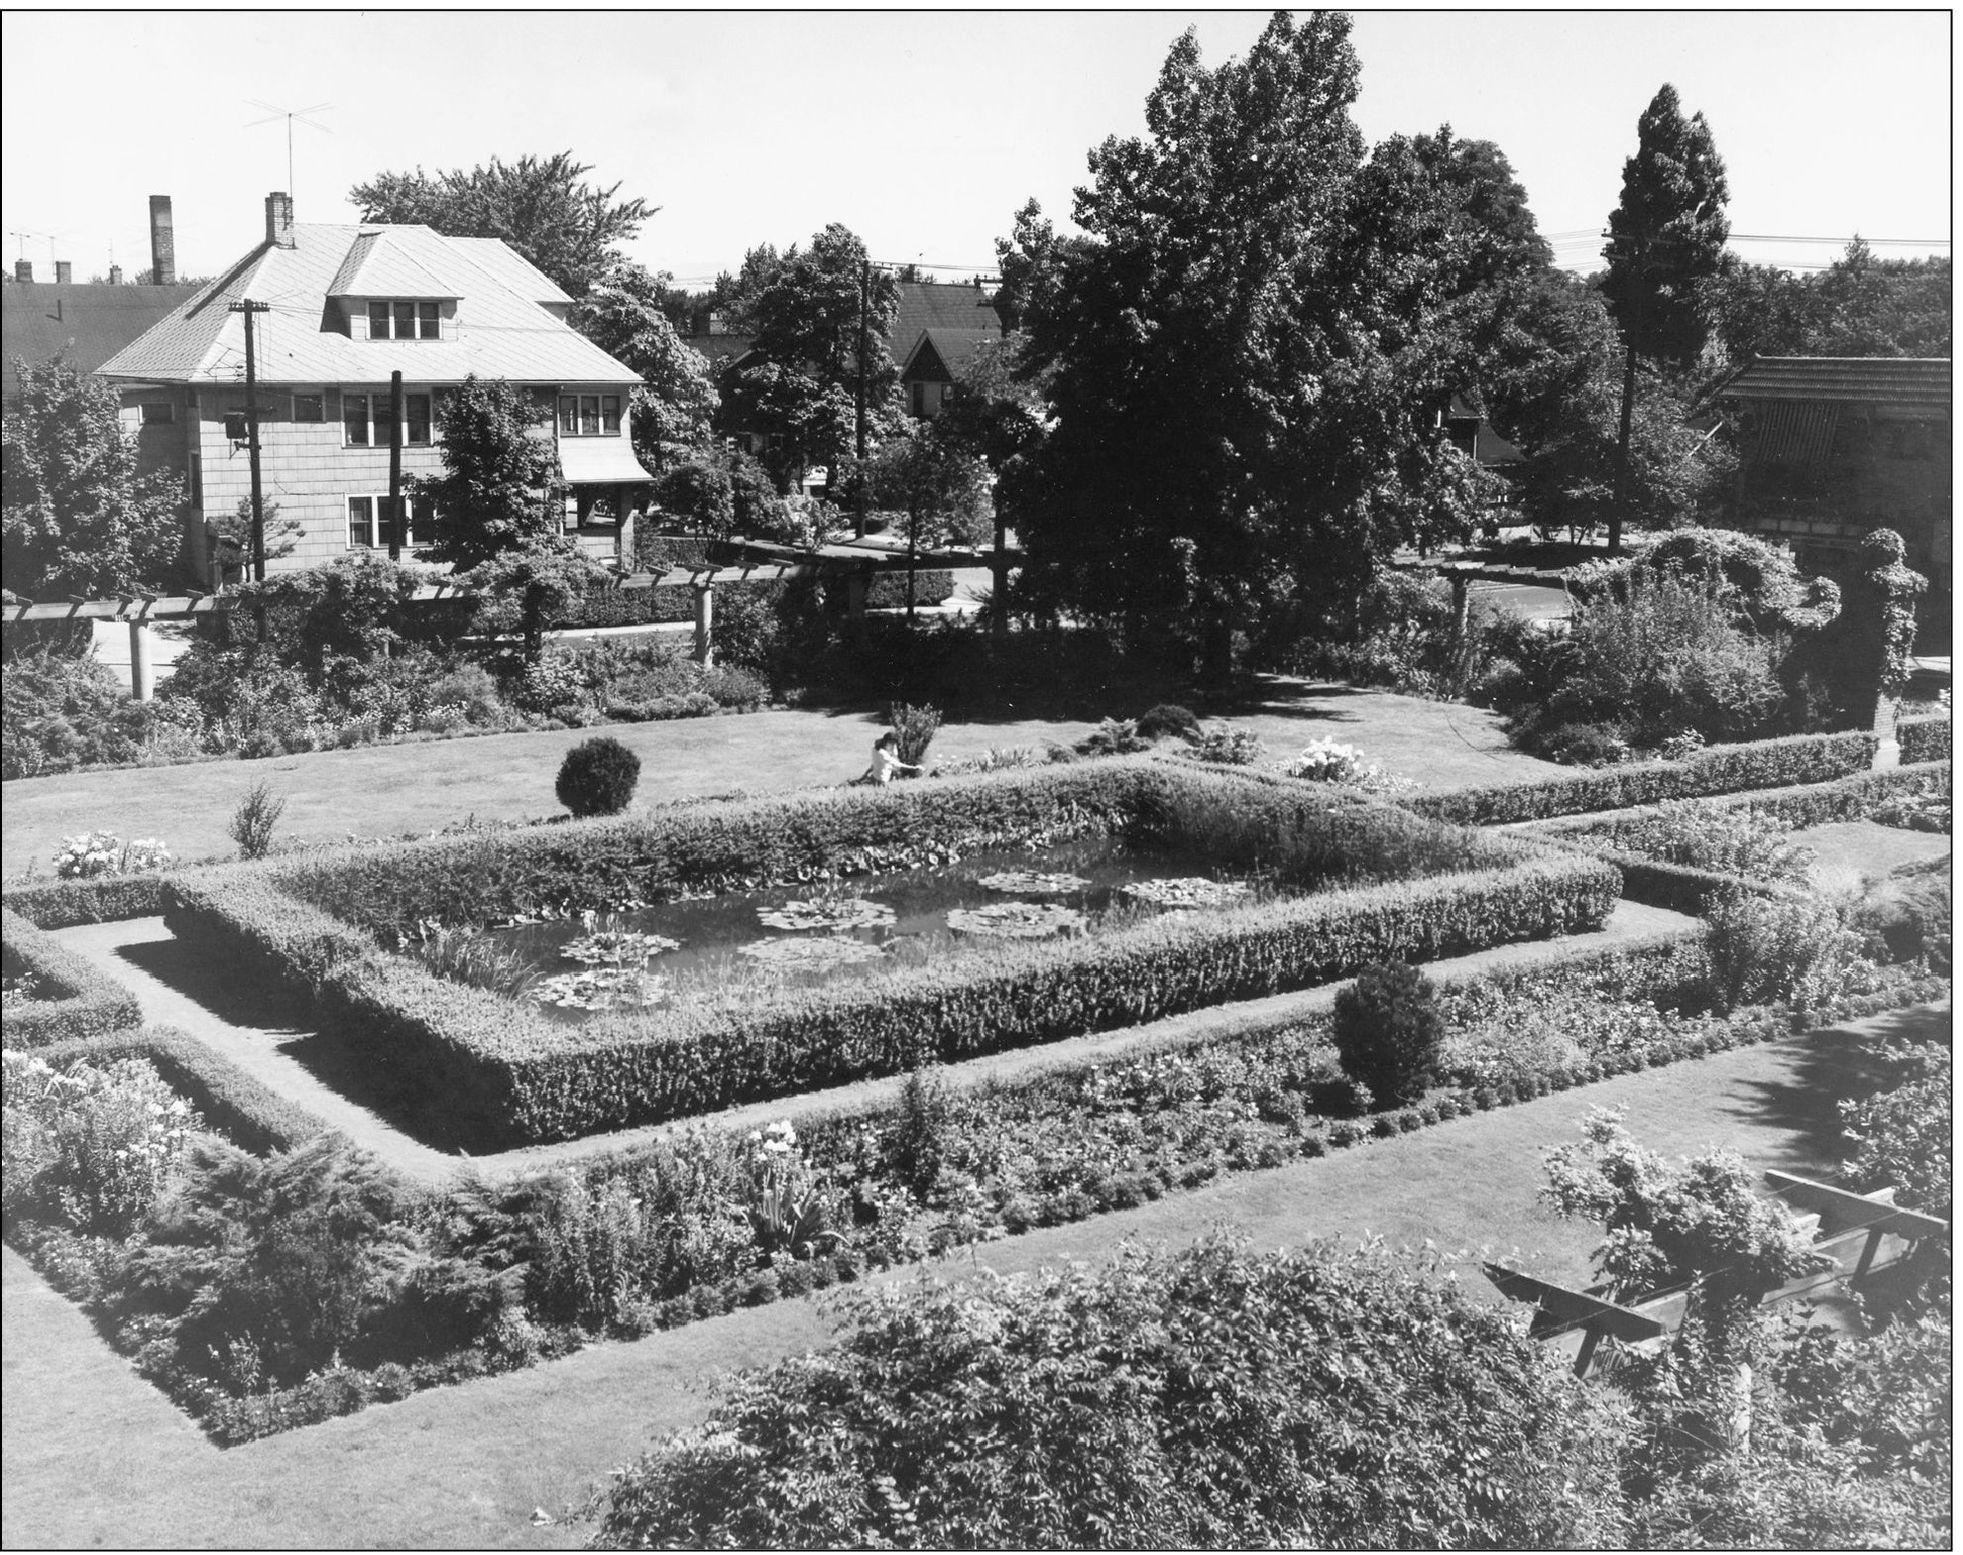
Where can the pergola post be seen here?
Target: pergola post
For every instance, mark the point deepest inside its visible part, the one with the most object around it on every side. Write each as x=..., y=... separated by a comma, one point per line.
x=705, y=613
x=143, y=680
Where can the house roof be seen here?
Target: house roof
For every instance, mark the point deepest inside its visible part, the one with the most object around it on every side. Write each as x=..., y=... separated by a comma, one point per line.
x=1845, y=380
x=501, y=330
x=722, y=351
x=85, y=323
x=939, y=354
x=940, y=305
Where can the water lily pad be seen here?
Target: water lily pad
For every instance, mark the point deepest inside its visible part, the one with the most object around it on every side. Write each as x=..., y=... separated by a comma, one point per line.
x=602, y=988
x=1029, y=882
x=617, y=947
x=1016, y=920
x=832, y=915
x=810, y=955
x=1191, y=891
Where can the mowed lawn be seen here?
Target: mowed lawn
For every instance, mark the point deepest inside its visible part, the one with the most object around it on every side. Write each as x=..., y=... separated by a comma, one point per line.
x=386, y=790
x=94, y=1456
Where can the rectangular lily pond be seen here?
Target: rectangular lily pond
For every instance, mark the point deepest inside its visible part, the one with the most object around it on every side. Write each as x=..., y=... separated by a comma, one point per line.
x=805, y=935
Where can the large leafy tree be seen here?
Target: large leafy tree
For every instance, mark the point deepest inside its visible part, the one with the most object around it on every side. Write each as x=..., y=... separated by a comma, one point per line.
x=1859, y=305
x=821, y=323
x=500, y=489
x=1251, y=352
x=623, y=314
x=541, y=206
x=80, y=515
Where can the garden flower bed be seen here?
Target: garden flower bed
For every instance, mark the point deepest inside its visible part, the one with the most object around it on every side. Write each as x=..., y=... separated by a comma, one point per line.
x=497, y=1071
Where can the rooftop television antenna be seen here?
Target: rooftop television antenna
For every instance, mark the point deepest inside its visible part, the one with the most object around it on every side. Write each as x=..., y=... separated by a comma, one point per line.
x=274, y=113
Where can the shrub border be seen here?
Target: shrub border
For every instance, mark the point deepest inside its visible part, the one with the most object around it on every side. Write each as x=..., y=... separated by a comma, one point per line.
x=1796, y=807
x=86, y=1002
x=62, y=904
x=1795, y=759
x=1925, y=739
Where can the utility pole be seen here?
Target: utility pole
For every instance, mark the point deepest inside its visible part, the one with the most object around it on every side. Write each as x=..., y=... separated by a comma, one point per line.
x=1619, y=502
x=395, y=466
x=859, y=408
x=248, y=307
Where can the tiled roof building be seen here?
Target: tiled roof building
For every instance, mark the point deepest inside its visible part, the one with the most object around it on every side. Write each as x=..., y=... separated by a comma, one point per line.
x=1831, y=447
x=347, y=306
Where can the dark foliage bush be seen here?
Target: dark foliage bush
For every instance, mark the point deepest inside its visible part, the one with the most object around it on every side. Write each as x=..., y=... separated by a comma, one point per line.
x=1168, y=718
x=1582, y=745
x=598, y=777
x=1387, y=1030
x=948, y=1426
x=60, y=711
x=916, y=728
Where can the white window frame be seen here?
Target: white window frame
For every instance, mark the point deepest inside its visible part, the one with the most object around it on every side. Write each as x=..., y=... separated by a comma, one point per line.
x=605, y=408
x=422, y=521
x=376, y=406
x=425, y=317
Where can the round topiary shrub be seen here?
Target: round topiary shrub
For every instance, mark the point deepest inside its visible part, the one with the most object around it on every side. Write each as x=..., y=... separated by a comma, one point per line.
x=1168, y=718
x=1387, y=1031
x=598, y=777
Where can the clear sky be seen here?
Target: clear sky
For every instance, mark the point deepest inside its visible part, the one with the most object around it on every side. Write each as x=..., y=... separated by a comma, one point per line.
x=924, y=132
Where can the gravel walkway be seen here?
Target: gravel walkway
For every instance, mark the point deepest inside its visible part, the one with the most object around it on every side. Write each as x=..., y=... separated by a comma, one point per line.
x=268, y=1040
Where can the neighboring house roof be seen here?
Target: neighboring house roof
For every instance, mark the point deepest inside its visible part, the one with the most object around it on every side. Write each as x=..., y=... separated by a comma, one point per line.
x=722, y=351
x=84, y=323
x=1843, y=380
x=502, y=328
x=938, y=354
x=940, y=305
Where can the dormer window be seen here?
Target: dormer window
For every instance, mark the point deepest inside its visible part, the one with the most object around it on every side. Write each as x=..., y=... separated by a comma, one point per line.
x=398, y=320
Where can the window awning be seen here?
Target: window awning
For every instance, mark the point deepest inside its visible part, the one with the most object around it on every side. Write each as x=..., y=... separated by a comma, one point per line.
x=600, y=461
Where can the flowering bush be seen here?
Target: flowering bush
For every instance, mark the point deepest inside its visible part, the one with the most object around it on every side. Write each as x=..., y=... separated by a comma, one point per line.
x=783, y=1202
x=1326, y=761
x=104, y=853
x=94, y=1146
x=1229, y=747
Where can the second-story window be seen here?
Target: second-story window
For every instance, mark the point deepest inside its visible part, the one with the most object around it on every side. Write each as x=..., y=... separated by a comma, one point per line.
x=404, y=320
x=415, y=418
x=354, y=416
x=366, y=419
x=589, y=415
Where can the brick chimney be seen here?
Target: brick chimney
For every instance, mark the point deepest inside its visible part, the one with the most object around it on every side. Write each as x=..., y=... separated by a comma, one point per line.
x=115, y=275
x=64, y=272
x=163, y=242
x=23, y=270
x=279, y=220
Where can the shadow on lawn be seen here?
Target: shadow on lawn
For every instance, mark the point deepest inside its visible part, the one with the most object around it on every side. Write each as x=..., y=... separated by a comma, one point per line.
x=1828, y=1067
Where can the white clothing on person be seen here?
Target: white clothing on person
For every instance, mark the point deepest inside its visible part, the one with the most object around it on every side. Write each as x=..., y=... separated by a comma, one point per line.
x=885, y=763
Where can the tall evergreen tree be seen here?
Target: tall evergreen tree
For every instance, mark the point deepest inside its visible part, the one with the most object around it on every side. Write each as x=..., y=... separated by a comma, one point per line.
x=1666, y=241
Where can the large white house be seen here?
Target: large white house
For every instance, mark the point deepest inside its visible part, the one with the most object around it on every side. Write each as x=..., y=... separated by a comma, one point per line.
x=347, y=306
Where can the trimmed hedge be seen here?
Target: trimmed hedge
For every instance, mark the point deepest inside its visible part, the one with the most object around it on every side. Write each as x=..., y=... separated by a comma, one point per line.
x=1816, y=804
x=509, y=1074
x=79, y=1001
x=61, y=904
x=1925, y=739
x=248, y=1112
x=1726, y=769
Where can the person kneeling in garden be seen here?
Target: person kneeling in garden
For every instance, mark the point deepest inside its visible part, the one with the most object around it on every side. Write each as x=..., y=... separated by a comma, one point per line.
x=886, y=761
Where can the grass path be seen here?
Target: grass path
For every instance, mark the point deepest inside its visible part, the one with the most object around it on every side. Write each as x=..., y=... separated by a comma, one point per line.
x=92, y=1455
x=384, y=790
x=267, y=1035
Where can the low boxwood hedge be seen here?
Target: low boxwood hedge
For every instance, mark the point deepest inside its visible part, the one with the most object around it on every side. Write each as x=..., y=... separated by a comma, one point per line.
x=504, y=1073
x=245, y=1110
x=1813, y=804
x=72, y=998
x=1725, y=769
x=1925, y=739
x=61, y=904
